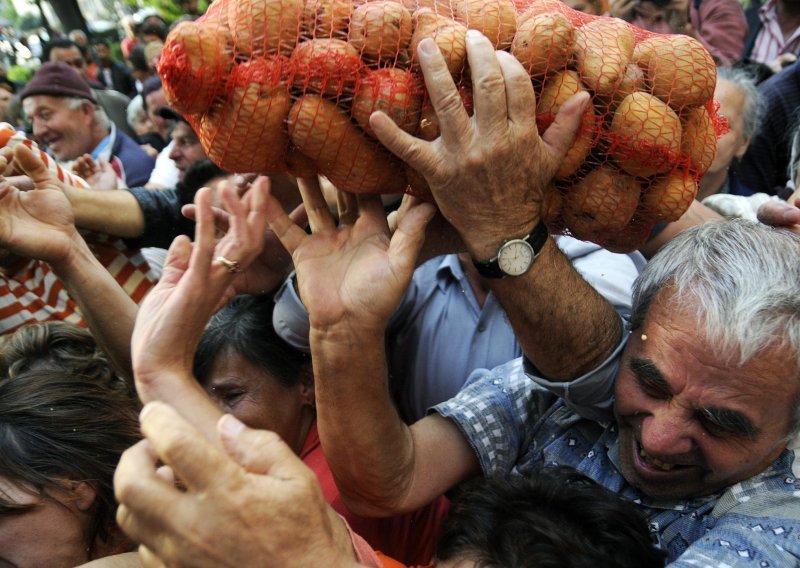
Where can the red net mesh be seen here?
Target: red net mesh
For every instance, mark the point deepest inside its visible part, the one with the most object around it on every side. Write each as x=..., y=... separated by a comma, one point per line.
x=289, y=85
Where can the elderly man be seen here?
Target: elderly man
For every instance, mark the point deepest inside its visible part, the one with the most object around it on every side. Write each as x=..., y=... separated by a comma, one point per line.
x=66, y=120
x=693, y=415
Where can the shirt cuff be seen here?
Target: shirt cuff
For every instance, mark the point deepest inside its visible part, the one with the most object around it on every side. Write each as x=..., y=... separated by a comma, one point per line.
x=591, y=395
x=363, y=551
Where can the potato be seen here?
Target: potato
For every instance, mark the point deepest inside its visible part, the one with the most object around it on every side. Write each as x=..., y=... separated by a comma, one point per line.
x=380, y=30
x=679, y=69
x=555, y=93
x=439, y=7
x=496, y=19
x=645, y=135
x=538, y=7
x=602, y=202
x=630, y=238
x=246, y=133
x=542, y=43
x=449, y=35
x=327, y=66
x=396, y=92
x=429, y=122
x=669, y=196
x=194, y=66
x=298, y=164
x=631, y=81
x=699, y=139
x=327, y=18
x=348, y=158
x=264, y=27
x=602, y=50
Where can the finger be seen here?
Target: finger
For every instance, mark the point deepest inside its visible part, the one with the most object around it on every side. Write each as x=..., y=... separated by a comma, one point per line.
x=520, y=98
x=779, y=215
x=561, y=134
x=488, y=86
x=33, y=166
x=288, y=233
x=148, y=559
x=347, y=204
x=220, y=217
x=371, y=207
x=142, y=495
x=166, y=474
x=417, y=153
x=177, y=261
x=409, y=237
x=454, y=123
x=204, y=236
x=299, y=216
x=319, y=214
x=258, y=451
x=184, y=448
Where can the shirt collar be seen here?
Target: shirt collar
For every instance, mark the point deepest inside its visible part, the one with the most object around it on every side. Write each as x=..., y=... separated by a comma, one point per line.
x=103, y=149
x=449, y=269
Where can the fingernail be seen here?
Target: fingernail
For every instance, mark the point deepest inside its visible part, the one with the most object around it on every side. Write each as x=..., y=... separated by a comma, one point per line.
x=474, y=35
x=146, y=409
x=427, y=46
x=230, y=426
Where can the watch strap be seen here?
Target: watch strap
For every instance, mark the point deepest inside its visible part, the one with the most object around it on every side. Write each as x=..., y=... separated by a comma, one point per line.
x=536, y=239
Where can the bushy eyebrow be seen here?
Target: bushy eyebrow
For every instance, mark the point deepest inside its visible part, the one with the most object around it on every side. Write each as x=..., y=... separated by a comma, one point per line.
x=731, y=421
x=646, y=370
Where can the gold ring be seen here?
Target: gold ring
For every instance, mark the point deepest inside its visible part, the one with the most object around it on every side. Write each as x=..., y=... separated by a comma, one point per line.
x=232, y=265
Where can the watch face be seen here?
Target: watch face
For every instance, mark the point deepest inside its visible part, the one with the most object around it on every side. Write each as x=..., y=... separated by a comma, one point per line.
x=515, y=257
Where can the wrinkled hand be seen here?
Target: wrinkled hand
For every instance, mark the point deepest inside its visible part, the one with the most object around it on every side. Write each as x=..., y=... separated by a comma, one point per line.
x=782, y=215
x=172, y=317
x=623, y=9
x=487, y=173
x=353, y=272
x=98, y=173
x=258, y=506
x=35, y=224
x=271, y=267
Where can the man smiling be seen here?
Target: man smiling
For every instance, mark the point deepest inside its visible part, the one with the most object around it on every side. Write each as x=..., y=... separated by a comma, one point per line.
x=66, y=119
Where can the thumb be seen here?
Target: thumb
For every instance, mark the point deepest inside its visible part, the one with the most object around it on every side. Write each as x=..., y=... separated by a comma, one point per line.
x=561, y=134
x=33, y=166
x=257, y=451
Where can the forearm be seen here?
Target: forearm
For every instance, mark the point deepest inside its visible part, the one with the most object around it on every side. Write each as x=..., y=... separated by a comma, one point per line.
x=563, y=325
x=105, y=306
x=112, y=212
x=357, y=421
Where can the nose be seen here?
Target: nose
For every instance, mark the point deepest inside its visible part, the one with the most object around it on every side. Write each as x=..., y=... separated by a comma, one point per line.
x=175, y=153
x=667, y=432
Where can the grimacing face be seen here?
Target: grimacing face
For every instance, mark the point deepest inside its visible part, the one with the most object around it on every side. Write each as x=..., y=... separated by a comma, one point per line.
x=689, y=423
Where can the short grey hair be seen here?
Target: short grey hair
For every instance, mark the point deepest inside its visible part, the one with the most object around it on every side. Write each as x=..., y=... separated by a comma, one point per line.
x=100, y=116
x=753, y=110
x=742, y=277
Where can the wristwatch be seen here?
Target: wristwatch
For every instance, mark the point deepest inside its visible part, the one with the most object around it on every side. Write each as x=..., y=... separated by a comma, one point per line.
x=515, y=256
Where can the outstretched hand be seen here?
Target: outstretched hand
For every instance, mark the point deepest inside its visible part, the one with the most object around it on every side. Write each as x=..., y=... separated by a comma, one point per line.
x=492, y=166
x=98, y=173
x=197, y=279
x=353, y=272
x=259, y=505
x=35, y=224
x=782, y=215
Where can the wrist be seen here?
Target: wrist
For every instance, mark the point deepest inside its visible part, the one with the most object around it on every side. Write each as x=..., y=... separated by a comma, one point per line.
x=484, y=246
x=75, y=261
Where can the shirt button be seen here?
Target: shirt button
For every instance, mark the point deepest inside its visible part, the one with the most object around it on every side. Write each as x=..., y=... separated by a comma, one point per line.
x=482, y=328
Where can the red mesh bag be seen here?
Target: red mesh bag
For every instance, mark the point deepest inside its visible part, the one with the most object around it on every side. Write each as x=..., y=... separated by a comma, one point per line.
x=288, y=86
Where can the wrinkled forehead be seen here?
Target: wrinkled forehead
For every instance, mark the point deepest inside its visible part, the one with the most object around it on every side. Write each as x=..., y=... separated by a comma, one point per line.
x=35, y=103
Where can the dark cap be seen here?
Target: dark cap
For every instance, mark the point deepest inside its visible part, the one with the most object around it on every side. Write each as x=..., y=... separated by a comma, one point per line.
x=58, y=79
x=169, y=114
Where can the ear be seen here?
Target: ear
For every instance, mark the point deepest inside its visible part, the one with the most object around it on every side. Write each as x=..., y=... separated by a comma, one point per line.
x=740, y=152
x=84, y=495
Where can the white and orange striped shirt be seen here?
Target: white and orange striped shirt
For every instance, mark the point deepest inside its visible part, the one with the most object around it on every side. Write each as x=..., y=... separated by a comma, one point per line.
x=30, y=292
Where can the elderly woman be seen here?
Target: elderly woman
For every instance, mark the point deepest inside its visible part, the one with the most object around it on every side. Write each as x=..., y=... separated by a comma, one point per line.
x=253, y=374
x=65, y=419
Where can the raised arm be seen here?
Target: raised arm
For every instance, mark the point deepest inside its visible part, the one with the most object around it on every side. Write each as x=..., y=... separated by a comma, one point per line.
x=488, y=174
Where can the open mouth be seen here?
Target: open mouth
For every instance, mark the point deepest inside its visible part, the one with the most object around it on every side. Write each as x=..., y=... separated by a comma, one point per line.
x=655, y=462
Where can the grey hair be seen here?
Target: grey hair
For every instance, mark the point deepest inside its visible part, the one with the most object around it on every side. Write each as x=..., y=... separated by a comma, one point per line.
x=132, y=112
x=743, y=280
x=753, y=110
x=794, y=151
x=100, y=116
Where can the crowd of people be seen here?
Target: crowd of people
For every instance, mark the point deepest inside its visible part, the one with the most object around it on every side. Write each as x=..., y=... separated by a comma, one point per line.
x=211, y=368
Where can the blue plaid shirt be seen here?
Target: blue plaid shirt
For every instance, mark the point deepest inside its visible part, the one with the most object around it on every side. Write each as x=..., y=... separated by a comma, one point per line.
x=515, y=425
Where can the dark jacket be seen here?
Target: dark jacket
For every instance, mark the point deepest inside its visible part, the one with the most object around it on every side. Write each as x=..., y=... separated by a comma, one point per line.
x=131, y=161
x=121, y=78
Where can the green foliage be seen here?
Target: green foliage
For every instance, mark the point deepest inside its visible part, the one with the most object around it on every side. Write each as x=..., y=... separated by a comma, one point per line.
x=20, y=74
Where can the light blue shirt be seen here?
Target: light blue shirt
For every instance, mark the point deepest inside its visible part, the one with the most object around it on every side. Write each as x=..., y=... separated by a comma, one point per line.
x=440, y=334
x=515, y=425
